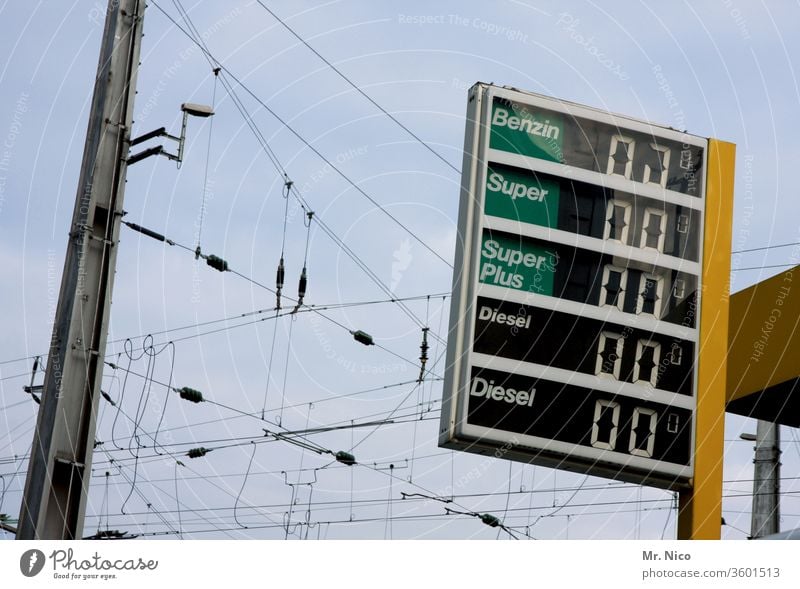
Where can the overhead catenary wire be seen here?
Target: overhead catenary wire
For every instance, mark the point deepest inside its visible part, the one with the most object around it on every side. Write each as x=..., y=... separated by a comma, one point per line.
x=281, y=272
x=331, y=504
x=144, y=498
x=316, y=401
x=763, y=267
x=314, y=310
x=669, y=513
x=177, y=500
x=204, y=196
x=196, y=396
x=428, y=517
x=359, y=90
x=302, y=285
x=306, y=308
x=576, y=506
x=167, y=452
x=244, y=482
x=197, y=39
x=487, y=518
x=295, y=437
x=765, y=247
x=286, y=370
x=379, y=502
x=351, y=430
x=265, y=310
x=344, y=503
x=279, y=279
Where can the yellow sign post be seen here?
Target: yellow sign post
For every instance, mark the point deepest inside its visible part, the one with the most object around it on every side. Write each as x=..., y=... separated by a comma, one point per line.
x=700, y=509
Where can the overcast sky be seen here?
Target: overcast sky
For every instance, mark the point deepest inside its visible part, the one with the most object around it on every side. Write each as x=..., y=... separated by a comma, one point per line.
x=717, y=68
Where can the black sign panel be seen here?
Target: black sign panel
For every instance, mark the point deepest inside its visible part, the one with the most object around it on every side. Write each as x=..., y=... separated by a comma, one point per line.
x=580, y=344
x=598, y=279
x=575, y=415
x=594, y=145
x=602, y=212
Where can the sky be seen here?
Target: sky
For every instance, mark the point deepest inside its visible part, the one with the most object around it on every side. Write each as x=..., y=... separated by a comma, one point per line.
x=723, y=69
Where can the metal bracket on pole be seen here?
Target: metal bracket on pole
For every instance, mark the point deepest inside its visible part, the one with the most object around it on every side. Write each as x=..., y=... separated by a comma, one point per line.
x=195, y=110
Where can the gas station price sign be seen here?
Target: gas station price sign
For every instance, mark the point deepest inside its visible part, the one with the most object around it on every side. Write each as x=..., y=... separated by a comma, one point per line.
x=574, y=326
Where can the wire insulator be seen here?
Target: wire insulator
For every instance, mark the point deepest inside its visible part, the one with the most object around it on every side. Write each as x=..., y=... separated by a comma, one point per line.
x=280, y=275
x=108, y=398
x=217, y=263
x=490, y=520
x=190, y=394
x=345, y=458
x=145, y=231
x=197, y=452
x=301, y=289
x=423, y=356
x=363, y=337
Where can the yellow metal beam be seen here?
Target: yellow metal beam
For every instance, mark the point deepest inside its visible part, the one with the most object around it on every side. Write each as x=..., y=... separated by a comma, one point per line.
x=700, y=510
x=764, y=335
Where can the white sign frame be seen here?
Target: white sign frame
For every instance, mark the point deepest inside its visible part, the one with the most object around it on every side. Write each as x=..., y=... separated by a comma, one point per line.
x=455, y=432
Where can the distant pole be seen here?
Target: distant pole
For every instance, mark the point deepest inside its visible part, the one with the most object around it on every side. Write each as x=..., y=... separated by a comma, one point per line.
x=766, y=480
x=54, y=501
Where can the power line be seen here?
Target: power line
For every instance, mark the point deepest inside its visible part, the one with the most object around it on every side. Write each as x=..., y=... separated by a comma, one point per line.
x=288, y=435
x=307, y=308
x=359, y=90
x=283, y=122
x=170, y=454
x=379, y=502
x=765, y=247
x=197, y=39
x=313, y=401
x=282, y=435
x=762, y=267
x=222, y=265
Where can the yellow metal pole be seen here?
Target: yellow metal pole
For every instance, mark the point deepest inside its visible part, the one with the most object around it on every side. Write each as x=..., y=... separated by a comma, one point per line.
x=700, y=509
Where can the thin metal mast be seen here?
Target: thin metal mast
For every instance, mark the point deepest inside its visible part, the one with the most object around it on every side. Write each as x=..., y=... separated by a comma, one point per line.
x=54, y=501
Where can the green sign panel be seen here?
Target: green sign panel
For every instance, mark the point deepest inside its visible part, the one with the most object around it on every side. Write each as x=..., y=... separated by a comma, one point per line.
x=518, y=263
x=514, y=195
x=519, y=129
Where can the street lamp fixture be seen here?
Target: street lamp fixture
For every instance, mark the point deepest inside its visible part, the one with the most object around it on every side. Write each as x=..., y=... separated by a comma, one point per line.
x=189, y=109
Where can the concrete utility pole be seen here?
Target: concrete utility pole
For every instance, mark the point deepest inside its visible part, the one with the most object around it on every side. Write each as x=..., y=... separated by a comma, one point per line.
x=56, y=489
x=766, y=481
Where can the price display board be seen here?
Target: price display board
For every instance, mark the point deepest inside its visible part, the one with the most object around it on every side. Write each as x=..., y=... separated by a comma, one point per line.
x=574, y=326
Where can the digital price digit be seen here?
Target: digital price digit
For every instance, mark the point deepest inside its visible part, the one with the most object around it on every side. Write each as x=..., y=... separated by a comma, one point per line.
x=606, y=421
x=643, y=435
x=621, y=158
x=605, y=426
